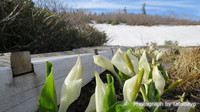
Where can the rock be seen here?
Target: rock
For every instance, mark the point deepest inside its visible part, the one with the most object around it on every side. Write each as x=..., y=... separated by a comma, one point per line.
x=21, y=62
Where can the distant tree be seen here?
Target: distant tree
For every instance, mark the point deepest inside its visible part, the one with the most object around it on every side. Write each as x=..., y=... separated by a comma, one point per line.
x=125, y=11
x=143, y=9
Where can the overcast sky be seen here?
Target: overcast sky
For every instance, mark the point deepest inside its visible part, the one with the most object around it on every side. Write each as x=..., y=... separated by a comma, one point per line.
x=183, y=8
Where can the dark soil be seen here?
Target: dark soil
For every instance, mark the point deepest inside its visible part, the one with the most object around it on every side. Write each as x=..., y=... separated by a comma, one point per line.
x=82, y=102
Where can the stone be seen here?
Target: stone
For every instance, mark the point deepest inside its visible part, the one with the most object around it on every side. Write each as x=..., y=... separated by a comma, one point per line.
x=21, y=62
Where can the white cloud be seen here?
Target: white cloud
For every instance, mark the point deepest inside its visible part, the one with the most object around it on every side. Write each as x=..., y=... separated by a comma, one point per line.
x=129, y=5
x=96, y=0
x=104, y=5
x=170, y=3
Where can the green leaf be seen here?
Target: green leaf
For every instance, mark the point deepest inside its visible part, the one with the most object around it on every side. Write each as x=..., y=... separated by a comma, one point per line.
x=123, y=77
x=153, y=94
x=150, y=74
x=129, y=50
x=48, y=97
x=125, y=106
x=110, y=96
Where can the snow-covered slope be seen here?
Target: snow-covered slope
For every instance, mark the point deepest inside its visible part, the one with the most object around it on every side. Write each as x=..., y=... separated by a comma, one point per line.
x=126, y=35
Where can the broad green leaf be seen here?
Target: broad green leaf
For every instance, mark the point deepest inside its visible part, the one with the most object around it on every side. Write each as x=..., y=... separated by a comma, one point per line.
x=153, y=94
x=129, y=51
x=120, y=63
x=48, y=97
x=158, y=79
x=92, y=104
x=123, y=77
x=143, y=92
x=72, y=86
x=110, y=96
x=132, y=86
x=125, y=106
x=100, y=92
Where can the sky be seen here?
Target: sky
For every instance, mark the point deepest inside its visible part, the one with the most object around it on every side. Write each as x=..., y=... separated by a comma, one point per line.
x=187, y=9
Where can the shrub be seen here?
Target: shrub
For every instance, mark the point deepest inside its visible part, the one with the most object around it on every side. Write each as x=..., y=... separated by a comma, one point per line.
x=39, y=29
x=109, y=21
x=115, y=22
x=141, y=19
x=171, y=43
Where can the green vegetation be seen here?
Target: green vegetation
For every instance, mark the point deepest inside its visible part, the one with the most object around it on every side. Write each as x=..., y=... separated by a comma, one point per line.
x=171, y=43
x=38, y=29
x=143, y=80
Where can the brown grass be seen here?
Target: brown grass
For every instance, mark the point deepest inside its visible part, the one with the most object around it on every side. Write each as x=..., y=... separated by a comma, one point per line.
x=140, y=19
x=187, y=67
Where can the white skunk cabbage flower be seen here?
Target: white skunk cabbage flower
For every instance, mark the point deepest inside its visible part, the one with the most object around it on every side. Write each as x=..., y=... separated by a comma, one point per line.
x=104, y=63
x=92, y=104
x=119, y=61
x=128, y=88
x=186, y=107
x=158, y=54
x=72, y=86
x=143, y=63
x=100, y=91
x=158, y=79
x=132, y=86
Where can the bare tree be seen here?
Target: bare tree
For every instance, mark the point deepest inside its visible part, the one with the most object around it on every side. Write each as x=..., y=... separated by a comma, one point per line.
x=143, y=9
x=125, y=11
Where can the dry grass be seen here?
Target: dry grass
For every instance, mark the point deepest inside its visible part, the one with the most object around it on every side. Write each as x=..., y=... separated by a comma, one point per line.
x=140, y=19
x=187, y=67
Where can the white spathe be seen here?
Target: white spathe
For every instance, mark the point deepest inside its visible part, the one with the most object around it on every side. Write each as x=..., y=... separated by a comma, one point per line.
x=129, y=85
x=100, y=91
x=72, y=86
x=158, y=79
x=143, y=63
x=119, y=61
x=92, y=104
x=104, y=63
